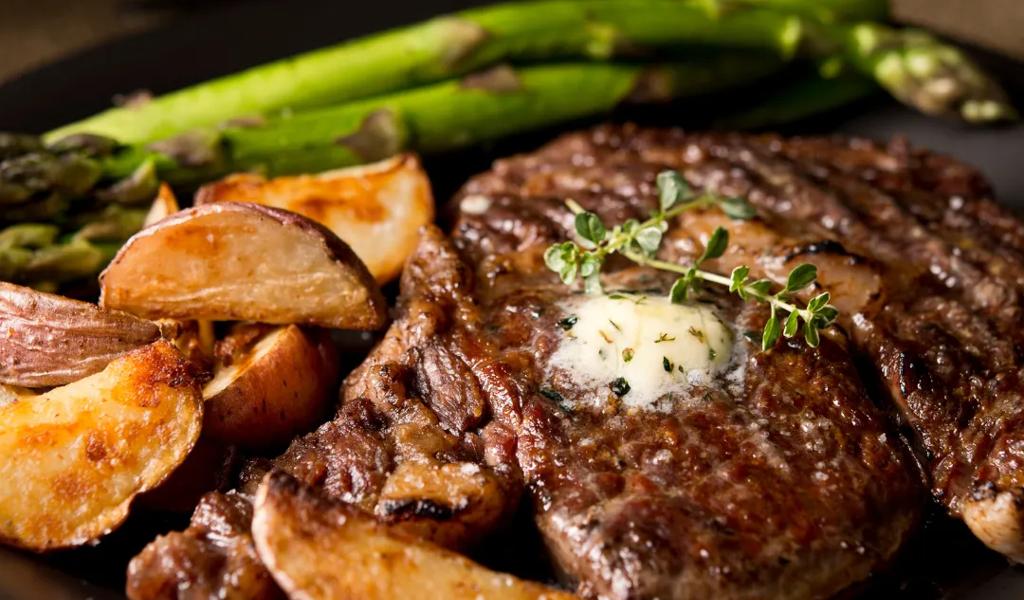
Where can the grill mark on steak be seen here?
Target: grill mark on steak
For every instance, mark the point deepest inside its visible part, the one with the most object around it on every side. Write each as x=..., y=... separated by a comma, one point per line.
x=944, y=332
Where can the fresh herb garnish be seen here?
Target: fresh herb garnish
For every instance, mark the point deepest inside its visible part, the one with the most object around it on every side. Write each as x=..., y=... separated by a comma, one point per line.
x=666, y=364
x=627, y=355
x=664, y=337
x=639, y=242
x=620, y=387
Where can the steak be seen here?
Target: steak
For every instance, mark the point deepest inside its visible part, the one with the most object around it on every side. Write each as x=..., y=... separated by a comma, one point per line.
x=925, y=266
x=777, y=474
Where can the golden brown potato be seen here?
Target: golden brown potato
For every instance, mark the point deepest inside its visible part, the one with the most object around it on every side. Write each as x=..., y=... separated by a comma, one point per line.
x=243, y=262
x=72, y=459
x=377, y=209
x=50, y=340
x=317, y=549
x=270, y=386
x=163, y=206
x=473, y=497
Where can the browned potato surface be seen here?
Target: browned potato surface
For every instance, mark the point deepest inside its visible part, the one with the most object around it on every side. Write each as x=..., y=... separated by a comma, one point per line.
x=72, y=459
x=377, y=209
x=317, y=549
x=243, y=262
x=48, y=340
x=270, y=386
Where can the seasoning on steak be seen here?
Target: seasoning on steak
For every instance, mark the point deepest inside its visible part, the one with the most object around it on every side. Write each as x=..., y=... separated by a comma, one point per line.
x=927, y=267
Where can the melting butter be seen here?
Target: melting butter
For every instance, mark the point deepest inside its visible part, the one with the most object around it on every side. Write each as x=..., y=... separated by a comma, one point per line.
x=656, y=347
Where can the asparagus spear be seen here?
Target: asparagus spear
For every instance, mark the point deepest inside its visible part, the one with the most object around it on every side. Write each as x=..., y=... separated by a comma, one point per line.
x=31, y=252
x=536, y=30
x=923, y=72
x=492, y=104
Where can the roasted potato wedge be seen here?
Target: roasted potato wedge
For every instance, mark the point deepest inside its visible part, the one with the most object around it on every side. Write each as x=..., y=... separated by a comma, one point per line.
x=377, y=209
x=243, y=262
x=318, y=549
x=72, y=459
x=165, y=205
x=271, y=385
x=418, y=491
x=50, y=340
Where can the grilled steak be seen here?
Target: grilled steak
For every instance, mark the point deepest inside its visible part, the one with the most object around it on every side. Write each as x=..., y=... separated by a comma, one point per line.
x=927, y=266
x=730, y=473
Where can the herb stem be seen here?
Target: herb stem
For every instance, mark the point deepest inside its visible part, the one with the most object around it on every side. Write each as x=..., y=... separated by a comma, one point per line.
x=753, y=292
x=639, y=242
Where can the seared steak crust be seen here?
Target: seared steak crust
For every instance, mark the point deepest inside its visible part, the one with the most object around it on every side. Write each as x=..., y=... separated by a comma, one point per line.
x=937, y=268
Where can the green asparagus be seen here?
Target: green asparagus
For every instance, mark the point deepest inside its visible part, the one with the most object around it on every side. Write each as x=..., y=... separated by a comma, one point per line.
x=454, y=45
x=923, y=72
x=484, y=106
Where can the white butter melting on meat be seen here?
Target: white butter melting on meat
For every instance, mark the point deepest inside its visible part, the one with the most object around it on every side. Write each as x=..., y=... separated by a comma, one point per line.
x=639, y=349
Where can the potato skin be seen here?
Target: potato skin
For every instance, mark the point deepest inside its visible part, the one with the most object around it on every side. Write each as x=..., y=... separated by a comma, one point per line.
x=50, y=340
x=280, y=387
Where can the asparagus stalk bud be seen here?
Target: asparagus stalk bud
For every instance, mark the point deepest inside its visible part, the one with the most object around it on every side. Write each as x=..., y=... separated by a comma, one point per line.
x=923, y=72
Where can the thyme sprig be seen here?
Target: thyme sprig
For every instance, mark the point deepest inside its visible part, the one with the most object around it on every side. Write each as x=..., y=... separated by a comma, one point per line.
x=639, y=242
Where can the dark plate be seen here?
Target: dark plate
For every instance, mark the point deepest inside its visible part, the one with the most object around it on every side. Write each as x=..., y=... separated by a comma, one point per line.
x=944, y=562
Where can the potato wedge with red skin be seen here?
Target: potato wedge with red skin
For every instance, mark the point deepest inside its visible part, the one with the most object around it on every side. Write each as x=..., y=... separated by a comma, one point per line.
x=278, y=385
x=243, y=262
x=72, y=459
x=377, y=209
x=318, y=549
x=48, y=340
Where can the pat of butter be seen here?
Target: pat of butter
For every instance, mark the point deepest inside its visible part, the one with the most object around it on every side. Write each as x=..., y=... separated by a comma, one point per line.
x=658, y=348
